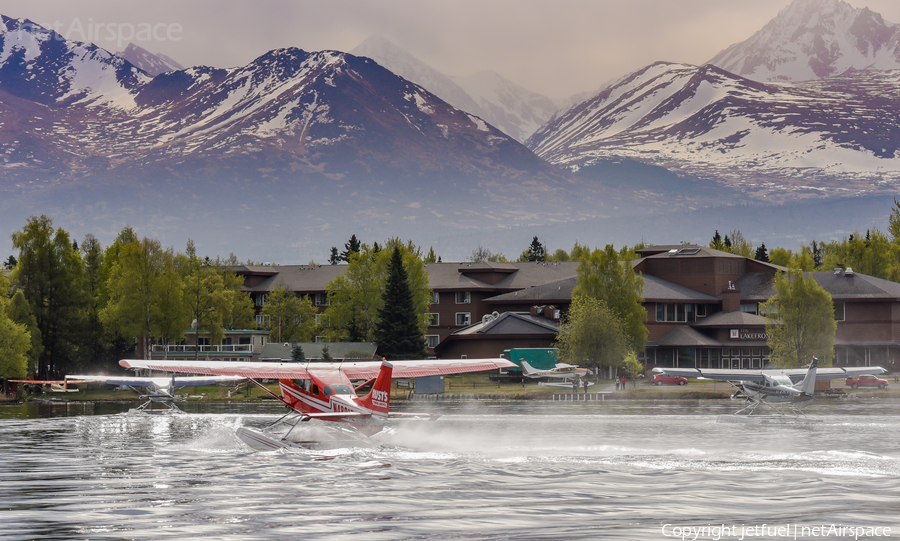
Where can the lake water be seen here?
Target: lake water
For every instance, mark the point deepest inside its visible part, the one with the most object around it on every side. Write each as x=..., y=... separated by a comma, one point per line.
x=484, y=470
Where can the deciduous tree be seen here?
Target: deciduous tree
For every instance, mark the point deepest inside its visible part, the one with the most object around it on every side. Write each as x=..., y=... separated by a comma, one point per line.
x=591, y=334
x=799, y=320
x=603, y=277
x=289, y=317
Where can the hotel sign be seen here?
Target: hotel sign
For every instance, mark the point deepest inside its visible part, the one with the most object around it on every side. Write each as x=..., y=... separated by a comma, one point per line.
x=747, y=334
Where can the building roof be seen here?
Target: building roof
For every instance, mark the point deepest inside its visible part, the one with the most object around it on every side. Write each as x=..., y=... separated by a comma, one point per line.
x=657, y=289
x=731, y=319
x=441, y=276
x=756, y=286
x=337, y=350
x=559, y=291
x=684, y=336
x=511, y=323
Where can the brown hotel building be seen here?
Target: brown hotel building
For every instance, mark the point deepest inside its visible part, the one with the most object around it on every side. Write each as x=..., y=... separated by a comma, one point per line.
x=702, y=306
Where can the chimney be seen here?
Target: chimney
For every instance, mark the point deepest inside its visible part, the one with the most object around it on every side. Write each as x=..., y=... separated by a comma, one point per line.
x=731, y=300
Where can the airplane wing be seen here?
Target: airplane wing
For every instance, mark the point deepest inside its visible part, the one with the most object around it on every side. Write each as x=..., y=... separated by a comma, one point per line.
x=137, y=381
x=796, y=374
x=296, y=370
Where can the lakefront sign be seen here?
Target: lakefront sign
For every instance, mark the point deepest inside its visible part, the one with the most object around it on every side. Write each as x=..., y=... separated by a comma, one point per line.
x=747, y=334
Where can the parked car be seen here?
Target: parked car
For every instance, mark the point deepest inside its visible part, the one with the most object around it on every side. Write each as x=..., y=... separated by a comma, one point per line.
x=866, y=381
x=662, y=379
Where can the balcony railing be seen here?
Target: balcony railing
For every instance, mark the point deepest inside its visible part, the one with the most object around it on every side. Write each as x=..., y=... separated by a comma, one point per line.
x=190, y=348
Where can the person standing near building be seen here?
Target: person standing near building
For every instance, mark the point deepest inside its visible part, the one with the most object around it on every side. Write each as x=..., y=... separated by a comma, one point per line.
x=575, y=385
x=617, y=383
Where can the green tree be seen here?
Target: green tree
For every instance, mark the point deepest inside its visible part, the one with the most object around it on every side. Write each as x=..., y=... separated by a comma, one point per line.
x=326, y=355
x=780, y=256
x=603, y=277
x=335, y=257
x=799, y=320
x=398, y=330
x=51, y=276
x=145, y=295
x=240, y=313
x=740, y=246
x=289, y=317
x=716, y=243
x=356, y=297
x=762, y=254
x=535, y=251
x=559, y=255
x=351, y=247
x=591, y=334
x=894, y=222
x=16, y=342
x=205, y=297
x=20, y=313
x=431, y=257
x=297, y=354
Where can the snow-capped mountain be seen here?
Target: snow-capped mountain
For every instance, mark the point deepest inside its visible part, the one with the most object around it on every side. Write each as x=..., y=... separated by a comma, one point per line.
x=830, y=136
x=40, y=65
x=153, y=64
x=73, y=112
x=513, y=109
x=811, y=39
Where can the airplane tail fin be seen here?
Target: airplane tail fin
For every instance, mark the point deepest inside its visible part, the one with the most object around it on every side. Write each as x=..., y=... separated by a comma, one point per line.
x=379, y=398
x=527, y=369
x=808, y=385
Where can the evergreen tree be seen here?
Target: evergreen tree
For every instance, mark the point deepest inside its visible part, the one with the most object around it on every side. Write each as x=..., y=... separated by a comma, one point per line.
x=326, y=355
x=536, y=251
x=762, y=254
x=297, y=354
x=375, y=247
x=716, y=242
x=335, y=257
x=10, y=263
x=894, y=222
x=431, y=257
x=398, y=331
x=727, y=244
x=351, y=247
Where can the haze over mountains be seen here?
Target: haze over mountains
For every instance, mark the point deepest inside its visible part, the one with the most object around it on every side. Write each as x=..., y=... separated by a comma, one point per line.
x=303, y=148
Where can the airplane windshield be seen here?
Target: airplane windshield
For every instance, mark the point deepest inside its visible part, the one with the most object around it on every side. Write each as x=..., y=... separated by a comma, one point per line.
x=336, y=389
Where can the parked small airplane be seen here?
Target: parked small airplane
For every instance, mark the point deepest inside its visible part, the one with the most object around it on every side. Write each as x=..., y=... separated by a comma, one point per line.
x=324, y=390
x=562, y=370
x=785, y=390
x=157, y=390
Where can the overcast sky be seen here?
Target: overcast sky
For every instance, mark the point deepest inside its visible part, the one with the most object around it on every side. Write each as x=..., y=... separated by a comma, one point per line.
x=556, y=48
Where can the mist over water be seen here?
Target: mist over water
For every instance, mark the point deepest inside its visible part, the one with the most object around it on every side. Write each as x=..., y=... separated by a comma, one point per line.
x=484, y=470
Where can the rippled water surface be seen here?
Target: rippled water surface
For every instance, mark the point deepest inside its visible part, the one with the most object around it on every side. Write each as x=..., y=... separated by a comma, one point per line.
x=482, y=471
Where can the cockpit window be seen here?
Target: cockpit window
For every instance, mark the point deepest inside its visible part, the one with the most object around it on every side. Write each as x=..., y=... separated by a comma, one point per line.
x=336, y=389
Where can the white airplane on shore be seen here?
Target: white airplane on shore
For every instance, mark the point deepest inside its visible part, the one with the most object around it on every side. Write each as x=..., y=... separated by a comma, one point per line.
x=157, y=390
x=561, y=370
x=784, y=390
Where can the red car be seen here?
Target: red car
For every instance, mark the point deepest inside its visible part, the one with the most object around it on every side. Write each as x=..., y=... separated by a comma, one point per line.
x=866, y=381
x=660, y=379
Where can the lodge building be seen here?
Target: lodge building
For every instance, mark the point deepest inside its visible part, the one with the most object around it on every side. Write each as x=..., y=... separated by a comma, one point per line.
x=702, y=306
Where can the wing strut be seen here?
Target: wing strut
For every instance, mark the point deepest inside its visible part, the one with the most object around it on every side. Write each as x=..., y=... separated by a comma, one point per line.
x=266, y=389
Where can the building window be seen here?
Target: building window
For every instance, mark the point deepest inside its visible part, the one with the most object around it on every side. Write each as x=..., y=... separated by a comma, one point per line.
x=463, y=318
x=750, y=308
x=432, y=340
x=322, y=320
x=463, y=297
x=839, y=311
x=675, y=312
x=432, y=319
x=435, y=297
x=261, y=300
x=262, y=321
x=322, y=299
x=320, y=339
x=701, y=310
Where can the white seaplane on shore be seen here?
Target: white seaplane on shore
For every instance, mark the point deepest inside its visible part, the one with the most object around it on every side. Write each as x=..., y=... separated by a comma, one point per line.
x=784, y=391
